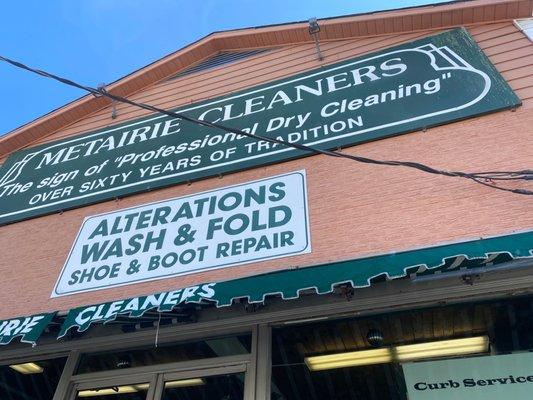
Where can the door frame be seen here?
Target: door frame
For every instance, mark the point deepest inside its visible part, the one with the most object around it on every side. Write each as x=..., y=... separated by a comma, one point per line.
x=202, y=373
x=157, y=374
x=128, y=379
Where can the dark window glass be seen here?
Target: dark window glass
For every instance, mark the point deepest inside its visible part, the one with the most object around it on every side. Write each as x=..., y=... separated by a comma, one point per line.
x=223, y=387
x=508, y=325
x=122, y=392
x=184, y=351
x=218, y=60
x=36, y=381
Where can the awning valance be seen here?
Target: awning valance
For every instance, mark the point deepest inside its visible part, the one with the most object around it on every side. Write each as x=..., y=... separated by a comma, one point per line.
x=322, y=278
x=27, y=328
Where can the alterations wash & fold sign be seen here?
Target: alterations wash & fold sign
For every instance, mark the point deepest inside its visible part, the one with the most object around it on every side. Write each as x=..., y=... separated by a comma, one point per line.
x=251, y=222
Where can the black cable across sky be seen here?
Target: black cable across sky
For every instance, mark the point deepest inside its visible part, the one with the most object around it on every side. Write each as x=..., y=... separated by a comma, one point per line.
x=483, y=178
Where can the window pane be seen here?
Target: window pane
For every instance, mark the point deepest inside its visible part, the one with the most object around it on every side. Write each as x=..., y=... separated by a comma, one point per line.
x=222, y=387
x=367, y=354
x=122, y=392
x=185, y=351
x=36, y=380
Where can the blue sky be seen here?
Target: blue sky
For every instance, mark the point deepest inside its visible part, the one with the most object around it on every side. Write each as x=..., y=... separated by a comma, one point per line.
x=99, y=41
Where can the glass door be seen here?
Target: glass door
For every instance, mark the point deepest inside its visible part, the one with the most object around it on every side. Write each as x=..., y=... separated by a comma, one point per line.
x=193, y=382
x=212, y=368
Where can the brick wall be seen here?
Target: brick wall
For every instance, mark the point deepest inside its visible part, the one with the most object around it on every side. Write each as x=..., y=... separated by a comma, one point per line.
x=355, y=210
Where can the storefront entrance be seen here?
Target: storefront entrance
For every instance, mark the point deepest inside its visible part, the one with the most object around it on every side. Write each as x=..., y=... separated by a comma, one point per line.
x=212, y=368
x=226, y=382
x=475, y=349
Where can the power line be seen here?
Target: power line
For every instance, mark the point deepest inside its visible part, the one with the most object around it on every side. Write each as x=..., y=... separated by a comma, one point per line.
x=482, y=178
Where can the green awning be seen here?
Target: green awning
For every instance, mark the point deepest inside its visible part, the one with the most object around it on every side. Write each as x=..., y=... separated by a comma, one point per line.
x=27, y=328
x=322, y=278
x=360, y=272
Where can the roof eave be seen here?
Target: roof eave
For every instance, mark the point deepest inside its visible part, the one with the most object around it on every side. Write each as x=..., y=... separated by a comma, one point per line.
x=436, y=16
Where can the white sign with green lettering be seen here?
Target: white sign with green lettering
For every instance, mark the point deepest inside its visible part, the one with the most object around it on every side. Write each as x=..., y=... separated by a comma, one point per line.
x=479, y=378
x=240, y=224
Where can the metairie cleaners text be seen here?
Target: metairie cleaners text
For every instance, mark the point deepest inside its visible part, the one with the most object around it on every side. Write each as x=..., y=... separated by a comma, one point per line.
x=235, y=225
x=382, y=94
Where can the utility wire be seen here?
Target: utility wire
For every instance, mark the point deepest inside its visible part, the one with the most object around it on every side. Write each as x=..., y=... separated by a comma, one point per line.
x=482, y=178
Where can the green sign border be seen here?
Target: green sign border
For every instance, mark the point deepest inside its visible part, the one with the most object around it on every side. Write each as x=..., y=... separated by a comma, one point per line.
x=499, y=96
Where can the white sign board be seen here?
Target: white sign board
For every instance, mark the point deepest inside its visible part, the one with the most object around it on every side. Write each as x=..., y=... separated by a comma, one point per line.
x=252, y=222
x=479, y=378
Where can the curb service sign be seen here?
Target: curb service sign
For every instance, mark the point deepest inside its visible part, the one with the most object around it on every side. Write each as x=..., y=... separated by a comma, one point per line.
x=235, y=225
x=479, y=378
x=435, y=80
